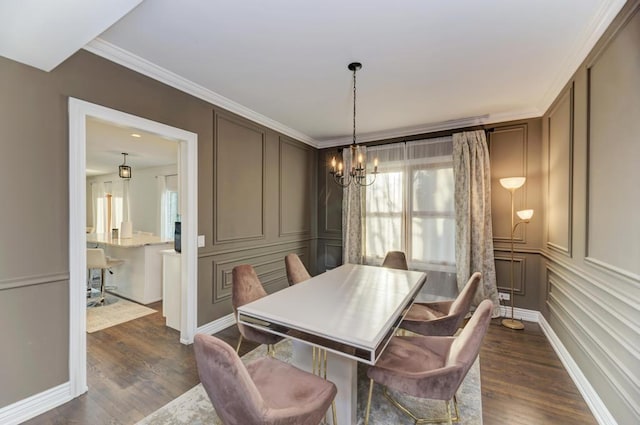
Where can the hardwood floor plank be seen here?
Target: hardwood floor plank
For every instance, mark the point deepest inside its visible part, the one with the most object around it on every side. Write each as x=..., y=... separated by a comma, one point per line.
x=137, y=367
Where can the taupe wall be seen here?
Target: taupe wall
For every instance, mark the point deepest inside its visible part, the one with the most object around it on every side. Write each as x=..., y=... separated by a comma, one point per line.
x=329, y=215
x=592, y=239
x=255, y=203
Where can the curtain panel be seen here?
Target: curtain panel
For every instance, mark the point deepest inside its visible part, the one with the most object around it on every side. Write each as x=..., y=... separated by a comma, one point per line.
x=474, y=234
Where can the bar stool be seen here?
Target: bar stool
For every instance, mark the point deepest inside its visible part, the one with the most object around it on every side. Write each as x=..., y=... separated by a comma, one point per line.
x=96, y=259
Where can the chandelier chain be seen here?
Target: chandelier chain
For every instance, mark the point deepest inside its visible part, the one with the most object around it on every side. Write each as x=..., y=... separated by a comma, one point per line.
x=354, y=105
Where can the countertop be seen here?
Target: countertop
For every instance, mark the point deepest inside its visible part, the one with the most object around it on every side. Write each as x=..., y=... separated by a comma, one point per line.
x=133, y=242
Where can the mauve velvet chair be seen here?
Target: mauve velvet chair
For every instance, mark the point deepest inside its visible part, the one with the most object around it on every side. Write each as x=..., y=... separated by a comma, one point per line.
x=265, y=391
x=395, y=260
x=296, y=271
x=441, y=318
x=246, y=287
x=430, y=367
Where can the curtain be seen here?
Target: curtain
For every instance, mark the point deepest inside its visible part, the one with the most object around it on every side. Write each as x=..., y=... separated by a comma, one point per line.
x=351, y=214
x=161, y=182
x=99, y=208
x=474, y=235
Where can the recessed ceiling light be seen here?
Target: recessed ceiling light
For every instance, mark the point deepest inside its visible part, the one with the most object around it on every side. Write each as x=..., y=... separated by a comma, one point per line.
x=136, y=135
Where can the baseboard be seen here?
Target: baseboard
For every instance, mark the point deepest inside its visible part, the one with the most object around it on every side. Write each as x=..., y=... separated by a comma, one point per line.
x=520, y=314
x=35, y=405
x=217, y=325
x=595, y=403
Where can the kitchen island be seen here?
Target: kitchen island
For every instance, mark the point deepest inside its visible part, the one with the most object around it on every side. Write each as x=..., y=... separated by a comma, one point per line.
x=139, y=277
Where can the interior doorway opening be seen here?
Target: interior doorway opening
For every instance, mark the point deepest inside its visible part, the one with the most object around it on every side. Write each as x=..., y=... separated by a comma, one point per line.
x=79, y=112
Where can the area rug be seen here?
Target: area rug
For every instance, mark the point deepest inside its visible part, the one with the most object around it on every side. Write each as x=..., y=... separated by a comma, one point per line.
x=194, y=407
x=120, y=311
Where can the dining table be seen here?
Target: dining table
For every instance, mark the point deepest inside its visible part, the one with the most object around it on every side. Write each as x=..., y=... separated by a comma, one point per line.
x=351, y=311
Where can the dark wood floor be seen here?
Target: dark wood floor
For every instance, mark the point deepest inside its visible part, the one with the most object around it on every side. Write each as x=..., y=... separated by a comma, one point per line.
x=139, y=366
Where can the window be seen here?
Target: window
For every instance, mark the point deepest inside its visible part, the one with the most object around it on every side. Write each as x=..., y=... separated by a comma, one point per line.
x=410, y=206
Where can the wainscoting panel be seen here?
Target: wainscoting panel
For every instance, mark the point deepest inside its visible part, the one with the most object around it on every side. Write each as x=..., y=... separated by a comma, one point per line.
x=239, y=189
x=508, y=151
x=560, y=177
x=599, y=337
x=295, y=191
x=330, y=254
x=613, y=198
x=267, y=260
x=503, y=273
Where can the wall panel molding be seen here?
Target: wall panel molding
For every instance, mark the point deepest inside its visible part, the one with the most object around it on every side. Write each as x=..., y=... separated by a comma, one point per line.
x=508, y=148
x=591, y=397
x=560, y=165
x=295, y=160
x=578, y=333
x=519, y=273
x=612, y=152
x=40, y=279
x=269, y=266
x=237, y=215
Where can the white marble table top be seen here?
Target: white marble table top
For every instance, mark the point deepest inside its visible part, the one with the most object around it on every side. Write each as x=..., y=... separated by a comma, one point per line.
x=359, y=306
x=135, y=241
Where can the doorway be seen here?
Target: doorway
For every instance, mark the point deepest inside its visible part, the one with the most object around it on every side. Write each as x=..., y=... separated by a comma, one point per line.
x=79, y=112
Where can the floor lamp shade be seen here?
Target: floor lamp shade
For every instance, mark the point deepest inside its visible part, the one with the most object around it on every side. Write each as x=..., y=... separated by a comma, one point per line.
x=512, y=183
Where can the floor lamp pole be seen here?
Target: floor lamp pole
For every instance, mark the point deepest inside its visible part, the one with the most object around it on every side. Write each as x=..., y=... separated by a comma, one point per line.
x=512, y=323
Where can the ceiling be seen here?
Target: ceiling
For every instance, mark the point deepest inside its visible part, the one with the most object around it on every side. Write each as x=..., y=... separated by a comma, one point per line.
x=427, y=65
x=106, y=142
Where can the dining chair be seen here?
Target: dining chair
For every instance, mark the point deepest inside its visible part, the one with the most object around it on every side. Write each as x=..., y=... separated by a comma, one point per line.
x=296, y=271
x=246, y=287
x=266, y=391
x=430, y=367
x=441, y=318
x=395, y=260
x=96, y=259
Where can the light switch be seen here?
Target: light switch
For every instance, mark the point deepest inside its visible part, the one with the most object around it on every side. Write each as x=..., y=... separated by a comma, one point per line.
x=200, y=241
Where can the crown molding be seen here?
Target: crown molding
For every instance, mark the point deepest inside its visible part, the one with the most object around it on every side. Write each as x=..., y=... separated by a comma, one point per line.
x=433, y=127
x=129, y=60
x=584, y=44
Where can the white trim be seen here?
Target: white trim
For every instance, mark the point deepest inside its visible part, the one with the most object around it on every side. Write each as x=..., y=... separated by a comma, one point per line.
x=129, y=60
x=35, y=405
x=433, y=127
x=584, y=44
x=520, y=314
x=595, y=403
x=217, y=325
x=79, y=110
x=138, y=64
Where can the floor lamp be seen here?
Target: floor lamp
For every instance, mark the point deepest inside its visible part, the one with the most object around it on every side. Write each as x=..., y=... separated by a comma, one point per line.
x=511, y=184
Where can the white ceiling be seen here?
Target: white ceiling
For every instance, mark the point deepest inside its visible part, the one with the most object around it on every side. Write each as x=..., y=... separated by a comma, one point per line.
x=106, y=142
x=427, y=65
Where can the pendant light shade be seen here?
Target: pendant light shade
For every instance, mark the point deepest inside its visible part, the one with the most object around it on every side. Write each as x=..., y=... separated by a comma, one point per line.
x=124, y=171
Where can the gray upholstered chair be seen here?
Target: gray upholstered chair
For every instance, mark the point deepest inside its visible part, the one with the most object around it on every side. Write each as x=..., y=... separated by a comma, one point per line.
x=296, y=271
x=246, y=287
x=265, y=391
x=430, y=367
x=395, y=260
x=441, y=318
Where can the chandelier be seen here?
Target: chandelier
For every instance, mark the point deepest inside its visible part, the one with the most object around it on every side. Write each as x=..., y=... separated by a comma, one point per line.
x=124, y=171
x=357, y=172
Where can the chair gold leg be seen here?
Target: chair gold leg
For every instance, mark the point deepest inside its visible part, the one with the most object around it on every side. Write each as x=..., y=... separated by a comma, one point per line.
x=238, y=347
x=448, y=403
x=366, y=416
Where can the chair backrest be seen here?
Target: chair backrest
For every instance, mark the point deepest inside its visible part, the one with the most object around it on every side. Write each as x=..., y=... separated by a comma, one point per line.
x=462, y=303
x=246, y=286
x=226, y=380
x=96, y=259
x=296, y=271
x=395, y=260
x=466, y=346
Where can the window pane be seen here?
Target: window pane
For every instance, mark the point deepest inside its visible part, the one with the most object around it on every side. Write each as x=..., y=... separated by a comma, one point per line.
x=383, y=234
x=385, y=194
x=433, y=240
x=433, y=190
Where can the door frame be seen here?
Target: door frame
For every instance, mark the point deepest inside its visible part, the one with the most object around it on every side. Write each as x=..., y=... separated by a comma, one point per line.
x=79, y=111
